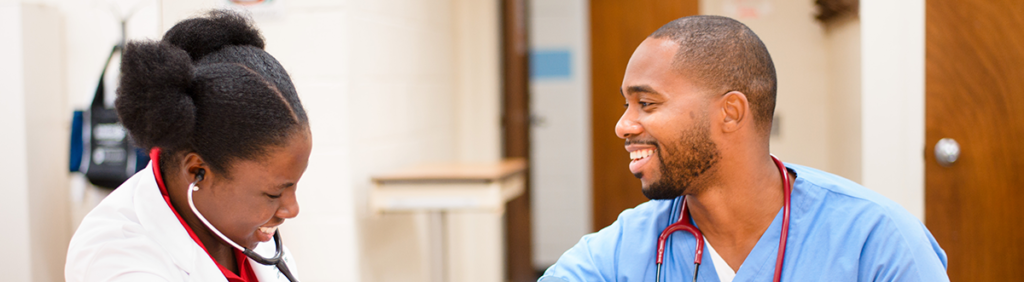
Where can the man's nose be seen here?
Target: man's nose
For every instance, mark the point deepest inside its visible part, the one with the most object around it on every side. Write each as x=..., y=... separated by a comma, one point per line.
x=627, y=125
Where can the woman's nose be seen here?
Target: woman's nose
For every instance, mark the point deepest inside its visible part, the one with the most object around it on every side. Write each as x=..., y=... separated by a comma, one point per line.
x=289, y=208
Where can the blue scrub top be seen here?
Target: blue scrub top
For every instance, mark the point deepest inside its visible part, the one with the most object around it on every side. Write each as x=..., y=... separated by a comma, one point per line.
x=839, y=231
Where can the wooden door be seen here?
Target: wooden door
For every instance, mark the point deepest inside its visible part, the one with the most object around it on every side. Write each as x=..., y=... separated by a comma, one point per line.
x=974, y=69
x=516, y=137
x=616, y=28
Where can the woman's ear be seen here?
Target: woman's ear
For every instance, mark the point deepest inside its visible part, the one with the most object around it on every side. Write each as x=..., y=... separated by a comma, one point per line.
x=735, y=109
x=194, y=167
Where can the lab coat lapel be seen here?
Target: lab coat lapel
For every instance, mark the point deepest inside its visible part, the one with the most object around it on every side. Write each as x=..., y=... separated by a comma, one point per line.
x=163, y=226
x=269, y=273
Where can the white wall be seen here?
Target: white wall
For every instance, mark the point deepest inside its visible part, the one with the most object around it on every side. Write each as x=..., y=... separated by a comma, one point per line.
x=36, y=122
x=47, y=138
x=89, y=30
x=842, y=39
x=893, y=100
x=560, y=137
x=15, y=203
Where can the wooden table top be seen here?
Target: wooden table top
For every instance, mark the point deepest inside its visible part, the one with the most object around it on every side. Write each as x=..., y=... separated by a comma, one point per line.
x=492, y=171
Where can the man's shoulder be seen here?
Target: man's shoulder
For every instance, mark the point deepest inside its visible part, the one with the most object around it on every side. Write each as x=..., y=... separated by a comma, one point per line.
x=873, y=228
x=838, y=191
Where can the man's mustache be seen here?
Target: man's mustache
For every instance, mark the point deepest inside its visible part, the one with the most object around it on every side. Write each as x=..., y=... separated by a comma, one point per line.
x=651, y=142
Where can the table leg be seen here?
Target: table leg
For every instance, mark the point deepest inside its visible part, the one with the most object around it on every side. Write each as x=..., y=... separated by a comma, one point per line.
x=439, y=246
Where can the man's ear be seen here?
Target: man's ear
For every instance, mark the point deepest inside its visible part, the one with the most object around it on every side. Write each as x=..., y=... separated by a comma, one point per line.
x=735, y=109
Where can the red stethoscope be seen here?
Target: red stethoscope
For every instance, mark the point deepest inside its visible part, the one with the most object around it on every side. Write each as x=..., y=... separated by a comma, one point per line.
x=684, y=225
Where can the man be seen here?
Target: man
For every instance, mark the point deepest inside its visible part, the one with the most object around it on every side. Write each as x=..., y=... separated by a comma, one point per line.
x=700, y=95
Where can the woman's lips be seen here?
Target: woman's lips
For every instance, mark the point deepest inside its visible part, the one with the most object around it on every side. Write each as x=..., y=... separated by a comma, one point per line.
x=639, y=158
x=264, y=234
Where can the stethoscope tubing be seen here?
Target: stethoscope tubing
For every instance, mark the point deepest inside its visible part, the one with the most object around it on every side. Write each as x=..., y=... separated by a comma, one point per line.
x=276, y=260
x=787, y=193
x=683, y=224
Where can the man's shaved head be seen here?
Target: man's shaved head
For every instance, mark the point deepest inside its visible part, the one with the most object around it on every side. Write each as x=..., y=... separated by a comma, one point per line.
x=721, y=55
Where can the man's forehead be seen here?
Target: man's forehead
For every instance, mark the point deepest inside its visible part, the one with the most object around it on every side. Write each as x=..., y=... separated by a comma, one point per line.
x=655, y=49
x=650, y=68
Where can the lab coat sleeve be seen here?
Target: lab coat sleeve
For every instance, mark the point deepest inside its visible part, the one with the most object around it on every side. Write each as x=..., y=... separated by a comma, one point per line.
x=127, y=260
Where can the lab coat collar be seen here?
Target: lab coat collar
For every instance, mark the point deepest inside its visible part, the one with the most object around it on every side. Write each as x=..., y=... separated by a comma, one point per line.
x=156, y=218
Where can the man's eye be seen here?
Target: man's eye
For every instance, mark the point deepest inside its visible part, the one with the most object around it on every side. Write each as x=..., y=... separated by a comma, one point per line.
x=626, y=105
x=644, y=104
x=274, y=196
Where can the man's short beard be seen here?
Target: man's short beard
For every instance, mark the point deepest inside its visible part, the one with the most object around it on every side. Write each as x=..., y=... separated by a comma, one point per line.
x=682, y=169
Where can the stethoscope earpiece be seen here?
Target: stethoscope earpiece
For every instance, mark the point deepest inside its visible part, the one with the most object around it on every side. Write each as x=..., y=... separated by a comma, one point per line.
x=199, y=177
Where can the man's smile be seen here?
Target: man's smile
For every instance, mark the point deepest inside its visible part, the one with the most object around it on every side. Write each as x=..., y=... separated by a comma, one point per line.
x=639, y=156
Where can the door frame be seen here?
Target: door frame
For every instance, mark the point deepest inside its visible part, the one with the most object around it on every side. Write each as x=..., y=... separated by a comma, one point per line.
x=515, y=97
x=892, y=100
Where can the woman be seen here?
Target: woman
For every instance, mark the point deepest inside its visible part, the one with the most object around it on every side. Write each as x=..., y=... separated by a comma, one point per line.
x=226, y=131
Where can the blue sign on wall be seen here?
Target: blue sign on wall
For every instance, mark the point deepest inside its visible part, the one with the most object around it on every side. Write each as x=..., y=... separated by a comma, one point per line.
x=550, y=64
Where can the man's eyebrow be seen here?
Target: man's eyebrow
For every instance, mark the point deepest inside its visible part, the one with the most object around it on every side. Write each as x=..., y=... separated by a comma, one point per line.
x=638, y=88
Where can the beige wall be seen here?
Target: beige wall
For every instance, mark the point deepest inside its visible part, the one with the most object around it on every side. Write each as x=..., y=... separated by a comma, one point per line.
x=892, y=104
x=61, y=46
x=15, y=203
x=842, y=40
x=818, y=71
x=47, y=137
x=36, y=139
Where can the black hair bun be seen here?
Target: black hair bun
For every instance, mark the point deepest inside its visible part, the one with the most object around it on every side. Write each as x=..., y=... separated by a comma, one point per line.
x=204, y=35
x=208, y=87
x=153, y=98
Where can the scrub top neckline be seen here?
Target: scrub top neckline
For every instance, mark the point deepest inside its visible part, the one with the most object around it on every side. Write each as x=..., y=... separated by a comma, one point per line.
x=244, y=268
x=722, y=268
x=762, y=257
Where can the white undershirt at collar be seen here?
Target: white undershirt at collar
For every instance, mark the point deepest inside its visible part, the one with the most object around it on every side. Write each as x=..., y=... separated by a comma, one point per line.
x=725, y=273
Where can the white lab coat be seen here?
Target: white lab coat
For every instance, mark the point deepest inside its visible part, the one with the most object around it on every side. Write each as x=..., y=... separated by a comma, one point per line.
x=133, y=235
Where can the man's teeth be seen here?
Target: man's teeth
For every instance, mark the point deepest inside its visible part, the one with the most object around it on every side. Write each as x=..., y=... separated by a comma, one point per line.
x=640, y=154
x=268, y=230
